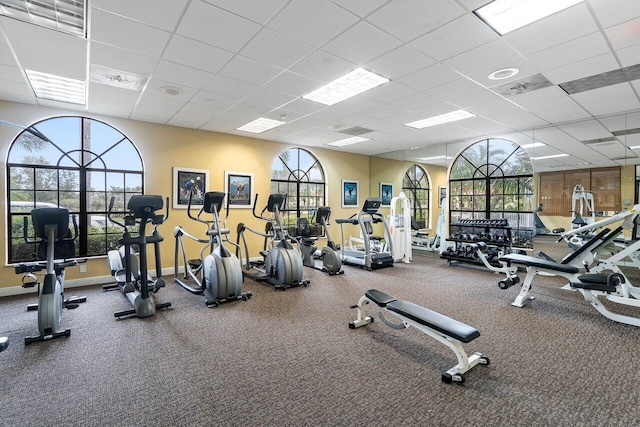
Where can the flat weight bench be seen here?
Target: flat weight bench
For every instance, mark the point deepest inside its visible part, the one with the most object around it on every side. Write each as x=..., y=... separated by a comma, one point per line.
x=448, y=331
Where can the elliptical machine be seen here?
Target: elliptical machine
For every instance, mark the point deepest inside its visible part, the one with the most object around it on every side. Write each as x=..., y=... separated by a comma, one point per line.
x=218, y=275
x=134, y=284
x=51, y=226
x=281, y=265
x=331, y=261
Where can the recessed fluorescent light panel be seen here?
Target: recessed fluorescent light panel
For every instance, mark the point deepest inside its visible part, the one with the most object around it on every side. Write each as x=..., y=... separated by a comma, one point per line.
x=348, y=141
x=533, y=145
x=57, y=88
x=426, y=159
x=68, y=16
x=443, y=118
x=553, y=156
x=352, y=84
x=260, y=125
x=504, y=16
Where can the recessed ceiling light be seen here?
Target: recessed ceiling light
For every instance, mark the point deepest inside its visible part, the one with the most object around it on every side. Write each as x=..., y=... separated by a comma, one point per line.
x=533, y=145
x=170, y=90
x=68, y=16
x=57, y=88
x=504, y=16
x=348, y=141
x=553, y=156
x=442, y=118
x=351, y=84
x=261, y=124
x=504, y=73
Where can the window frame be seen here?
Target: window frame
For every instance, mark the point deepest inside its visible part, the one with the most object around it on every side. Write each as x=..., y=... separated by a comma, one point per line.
x=96, y=235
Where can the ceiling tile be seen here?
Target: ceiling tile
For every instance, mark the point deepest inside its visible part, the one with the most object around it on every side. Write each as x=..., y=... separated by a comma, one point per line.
x=558, y=28
x=399, y=62
x=229, y=87
x=154, y=86
x=163, y=14
x=249, y=71
x=588, y=67
x=461, y=35
x=195, y=54
x=276, y=49
x=429, y=77
x=328, y=21
x=323, y=66
x=121, y=59
x=612, y=12
x=570, y=52
x=293, y=84
x=181, y=75
x=629, y=56
x=43, y=40
x=52, y=64
x=213, y=100
x=389, y=92
x=111, y=100
x=359, y=7
x=11, y=73
x=484, y=57
x=121, y=32
x=361, y=43
x=585, y=130
x=211, y=25
x=409, y=19
x=625, y=35
x=258, y=11
x=6, y=56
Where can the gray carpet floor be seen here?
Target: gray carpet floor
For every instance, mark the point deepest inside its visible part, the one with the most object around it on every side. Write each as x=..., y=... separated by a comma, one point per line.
x=289, y=358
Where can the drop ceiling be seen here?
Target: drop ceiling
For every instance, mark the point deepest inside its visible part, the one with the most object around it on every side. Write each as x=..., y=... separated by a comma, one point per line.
x=219, y=64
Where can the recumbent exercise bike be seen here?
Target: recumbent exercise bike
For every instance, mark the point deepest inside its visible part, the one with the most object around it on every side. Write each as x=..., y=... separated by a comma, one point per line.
x=55, y=242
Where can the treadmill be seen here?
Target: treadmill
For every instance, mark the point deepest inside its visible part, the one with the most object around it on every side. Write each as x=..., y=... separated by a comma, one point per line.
x=367, y=258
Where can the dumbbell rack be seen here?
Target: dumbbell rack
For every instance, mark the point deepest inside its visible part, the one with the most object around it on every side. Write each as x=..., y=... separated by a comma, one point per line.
x=496, y=233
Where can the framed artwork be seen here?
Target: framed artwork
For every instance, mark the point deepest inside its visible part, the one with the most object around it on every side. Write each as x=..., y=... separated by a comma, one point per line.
x=442, y=194
x=239, y=189
x=386, y=193
x=349, y=193
x=185, y=181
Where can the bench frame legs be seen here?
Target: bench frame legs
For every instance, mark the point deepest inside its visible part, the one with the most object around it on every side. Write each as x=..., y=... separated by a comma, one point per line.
x=455, y=374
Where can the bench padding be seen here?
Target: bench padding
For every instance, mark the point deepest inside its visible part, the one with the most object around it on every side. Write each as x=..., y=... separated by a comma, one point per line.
x=531, y=261
x=379, y=297
x=434, y=320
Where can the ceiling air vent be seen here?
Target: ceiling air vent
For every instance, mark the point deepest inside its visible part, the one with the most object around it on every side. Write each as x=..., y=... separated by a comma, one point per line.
x=596, y=81
x=356, y=131
x=626, y=132
x=527, y=84
x=598, y=140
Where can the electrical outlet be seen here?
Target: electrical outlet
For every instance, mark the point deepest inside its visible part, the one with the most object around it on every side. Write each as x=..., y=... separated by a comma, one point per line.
x=83, y=268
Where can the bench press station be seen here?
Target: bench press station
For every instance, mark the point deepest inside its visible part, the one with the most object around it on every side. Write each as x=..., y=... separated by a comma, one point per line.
x=448, y=331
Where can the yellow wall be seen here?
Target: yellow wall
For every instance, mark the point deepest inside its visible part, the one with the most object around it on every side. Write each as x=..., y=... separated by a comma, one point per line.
x=163, y=147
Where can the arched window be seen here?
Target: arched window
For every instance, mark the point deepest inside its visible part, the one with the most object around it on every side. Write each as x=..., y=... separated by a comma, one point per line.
x=299, y=174
x=417, y=188
x=76, y=163
x=493, y=179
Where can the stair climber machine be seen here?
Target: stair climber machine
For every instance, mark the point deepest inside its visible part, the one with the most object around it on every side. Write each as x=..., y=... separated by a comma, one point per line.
x=135, y=283
x=331, y=261
x=281, y=265
x=217, y=273
x=56, y=245
x=372, y=254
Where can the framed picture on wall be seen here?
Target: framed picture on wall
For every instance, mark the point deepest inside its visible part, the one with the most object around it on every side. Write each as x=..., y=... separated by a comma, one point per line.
x=442, y=194
x=239, y=189
x=189, y=181
x=386, y=193
x=349, y=193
